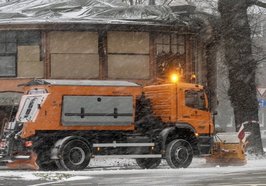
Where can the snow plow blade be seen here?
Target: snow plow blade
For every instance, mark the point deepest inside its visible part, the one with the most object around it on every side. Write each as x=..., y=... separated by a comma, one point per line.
x=24, y=163
x=227, y=150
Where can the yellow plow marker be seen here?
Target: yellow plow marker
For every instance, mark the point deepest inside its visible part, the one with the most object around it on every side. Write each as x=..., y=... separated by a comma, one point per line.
x=227, y=150
x=25, y=164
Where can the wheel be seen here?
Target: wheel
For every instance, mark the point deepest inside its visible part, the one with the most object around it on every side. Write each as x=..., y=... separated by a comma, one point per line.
x=45, y=163
x=148, y=163
x=179, y=154
x=49, y=166
x=75, y=155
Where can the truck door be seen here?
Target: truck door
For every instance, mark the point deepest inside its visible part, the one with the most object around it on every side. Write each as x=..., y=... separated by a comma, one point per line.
x=194, y=110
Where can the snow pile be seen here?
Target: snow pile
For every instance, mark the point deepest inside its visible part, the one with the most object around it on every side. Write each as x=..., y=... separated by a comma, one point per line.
x=52, y=176
x=60, y=178
x=122, y=164
x=100, y=163
x=24, y=175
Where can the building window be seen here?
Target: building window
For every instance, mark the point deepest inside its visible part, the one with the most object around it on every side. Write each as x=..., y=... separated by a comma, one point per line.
x=170, y=50
x=170, y=43
x=8, y=51
x=8, y=65
x=25, y=38
x=9, y=43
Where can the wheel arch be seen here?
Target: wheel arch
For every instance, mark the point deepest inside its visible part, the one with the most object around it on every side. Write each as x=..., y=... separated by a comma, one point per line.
x=170, y=133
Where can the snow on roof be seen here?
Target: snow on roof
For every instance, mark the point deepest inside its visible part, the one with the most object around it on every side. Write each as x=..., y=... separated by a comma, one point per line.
x=80, y=83
x=53, y=11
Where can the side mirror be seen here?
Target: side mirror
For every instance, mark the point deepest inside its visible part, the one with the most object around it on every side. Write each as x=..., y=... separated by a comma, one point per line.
x=214, y=113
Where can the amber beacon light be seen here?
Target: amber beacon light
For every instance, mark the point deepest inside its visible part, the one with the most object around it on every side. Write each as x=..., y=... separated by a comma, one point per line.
x=174, y=78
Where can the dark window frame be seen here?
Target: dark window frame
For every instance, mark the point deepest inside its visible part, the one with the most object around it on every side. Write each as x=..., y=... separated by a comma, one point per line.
x=20, y=40
x=171, y=42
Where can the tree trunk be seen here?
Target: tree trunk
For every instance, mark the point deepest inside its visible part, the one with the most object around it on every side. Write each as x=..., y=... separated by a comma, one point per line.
x=241, y=66
x=151, y=2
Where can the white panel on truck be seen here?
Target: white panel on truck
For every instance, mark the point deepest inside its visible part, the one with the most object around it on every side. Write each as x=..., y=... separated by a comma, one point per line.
x=97, y=110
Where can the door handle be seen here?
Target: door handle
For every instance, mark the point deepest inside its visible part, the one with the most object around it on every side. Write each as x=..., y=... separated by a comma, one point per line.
x=186, y=116
x=115, y=112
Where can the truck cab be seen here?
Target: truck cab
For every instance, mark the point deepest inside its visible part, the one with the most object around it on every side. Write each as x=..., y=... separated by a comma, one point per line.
x=183, y=105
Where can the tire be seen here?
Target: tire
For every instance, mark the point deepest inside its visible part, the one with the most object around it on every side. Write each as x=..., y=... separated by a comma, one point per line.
x=75, y=155
x=148, y=163
x=179, y=154
x=51, y=166
x=45, y=163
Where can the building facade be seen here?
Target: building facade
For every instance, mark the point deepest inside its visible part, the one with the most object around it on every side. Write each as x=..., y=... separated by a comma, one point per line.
x=138, y=51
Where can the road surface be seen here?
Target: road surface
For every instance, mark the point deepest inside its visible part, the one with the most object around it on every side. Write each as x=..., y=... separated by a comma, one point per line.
x=252, y=174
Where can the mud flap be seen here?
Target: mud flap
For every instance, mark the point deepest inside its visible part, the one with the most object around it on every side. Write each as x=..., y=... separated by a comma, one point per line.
x=24, y=164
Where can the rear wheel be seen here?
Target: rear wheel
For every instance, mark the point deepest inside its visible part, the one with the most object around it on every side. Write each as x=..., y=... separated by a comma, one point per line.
x=75, y=155
x=179, y=154
x=45, y=163
x=148, y=163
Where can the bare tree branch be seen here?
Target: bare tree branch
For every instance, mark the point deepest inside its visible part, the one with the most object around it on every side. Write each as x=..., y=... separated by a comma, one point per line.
x=258, y=3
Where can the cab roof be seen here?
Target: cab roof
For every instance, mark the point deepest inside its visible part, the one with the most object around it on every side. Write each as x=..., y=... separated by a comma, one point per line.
x=180, y=85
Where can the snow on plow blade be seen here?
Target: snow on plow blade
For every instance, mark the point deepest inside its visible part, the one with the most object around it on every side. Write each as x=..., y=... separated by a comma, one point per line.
x=227, y=150
x=22, y=163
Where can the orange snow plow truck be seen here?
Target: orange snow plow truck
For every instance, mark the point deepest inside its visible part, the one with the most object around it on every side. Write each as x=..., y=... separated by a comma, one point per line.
x=62, y=124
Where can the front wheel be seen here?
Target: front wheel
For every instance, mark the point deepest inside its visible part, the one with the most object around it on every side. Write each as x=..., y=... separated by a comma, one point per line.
x=179, y=154
x=75, y=155
x=148, y=163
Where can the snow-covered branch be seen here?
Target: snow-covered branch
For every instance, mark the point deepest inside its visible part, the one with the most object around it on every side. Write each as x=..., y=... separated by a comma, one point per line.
x=258, y=3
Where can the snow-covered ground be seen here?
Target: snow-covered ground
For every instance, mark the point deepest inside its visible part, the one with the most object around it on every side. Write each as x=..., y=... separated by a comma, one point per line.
x=124, y=166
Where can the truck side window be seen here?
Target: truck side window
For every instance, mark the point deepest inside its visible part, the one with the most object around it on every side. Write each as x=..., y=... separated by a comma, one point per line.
x=195, y=99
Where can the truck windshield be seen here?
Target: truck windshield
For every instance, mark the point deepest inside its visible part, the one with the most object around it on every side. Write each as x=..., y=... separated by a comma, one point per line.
x=195, y=99
x=29, y=107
